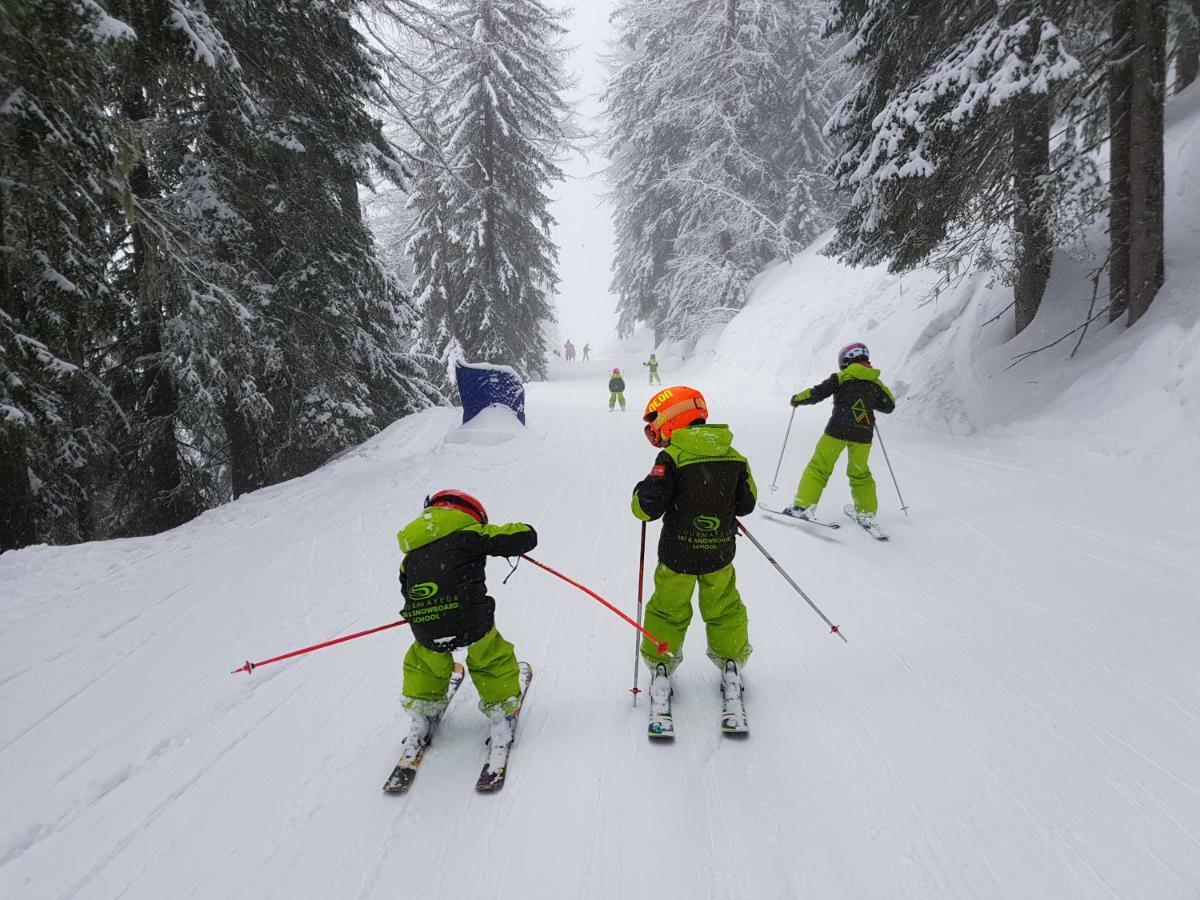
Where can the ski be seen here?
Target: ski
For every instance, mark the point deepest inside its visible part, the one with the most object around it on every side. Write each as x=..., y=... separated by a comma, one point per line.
x=491, y=778
x=402, y=776
x=869, y=527
x=733, y=711
x=797, y=519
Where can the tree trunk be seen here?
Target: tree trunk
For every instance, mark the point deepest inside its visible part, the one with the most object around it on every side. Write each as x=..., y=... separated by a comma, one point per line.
x=1187, y=58
x=1146, y=164
x=18, y=521
x=1031, y=164
x=1119, y=116
x=244, y=459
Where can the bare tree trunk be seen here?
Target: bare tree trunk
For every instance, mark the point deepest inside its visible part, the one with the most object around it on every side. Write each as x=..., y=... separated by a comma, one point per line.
x=245, y=464
x=1146, y=164
x=1031, y=164
x=1120, y=97
x=18, y=522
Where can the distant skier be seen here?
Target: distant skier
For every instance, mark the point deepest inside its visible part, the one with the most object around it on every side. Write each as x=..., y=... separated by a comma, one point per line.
x=587, y=348
x=569, y=348
x=448, y=607
x=857, y=395
x=652, y=363
x=698, y=486
x=616, y=390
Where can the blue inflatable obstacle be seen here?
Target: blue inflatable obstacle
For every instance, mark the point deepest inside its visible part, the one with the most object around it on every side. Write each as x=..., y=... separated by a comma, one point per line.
x=483, y=385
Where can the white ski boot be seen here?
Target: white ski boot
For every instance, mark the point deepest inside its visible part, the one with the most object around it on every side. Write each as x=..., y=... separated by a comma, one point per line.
x=808, y=513
x=865, y=519
x=733, y=712
x=420, y=729
x=662, y=725
x=500, y=737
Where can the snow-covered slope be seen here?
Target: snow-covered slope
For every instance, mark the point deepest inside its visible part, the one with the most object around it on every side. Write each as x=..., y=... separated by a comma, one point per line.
x=1015, y=714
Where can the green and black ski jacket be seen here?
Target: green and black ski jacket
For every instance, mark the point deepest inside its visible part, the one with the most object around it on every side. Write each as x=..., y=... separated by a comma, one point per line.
x=857, y=395
x=699, y=486
x=616, y=384
x=443, y=575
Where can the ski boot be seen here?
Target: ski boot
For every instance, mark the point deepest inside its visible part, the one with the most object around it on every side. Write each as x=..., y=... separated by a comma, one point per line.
x=500, y=737
x=733, y=712
x=420, y=729
x=662, y=725
x=807, y=513
x=865, y=519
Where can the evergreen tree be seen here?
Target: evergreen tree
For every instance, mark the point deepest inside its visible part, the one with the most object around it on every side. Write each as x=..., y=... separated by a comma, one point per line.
x=947, y=140
x=505, y=122
x=55, y=207
x=716, y=151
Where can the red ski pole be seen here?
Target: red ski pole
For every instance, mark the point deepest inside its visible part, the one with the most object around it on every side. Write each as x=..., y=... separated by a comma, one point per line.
x=251, y=666
x=660, y=645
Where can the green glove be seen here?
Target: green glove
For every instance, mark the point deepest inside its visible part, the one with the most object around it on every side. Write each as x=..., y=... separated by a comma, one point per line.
x=805, y=396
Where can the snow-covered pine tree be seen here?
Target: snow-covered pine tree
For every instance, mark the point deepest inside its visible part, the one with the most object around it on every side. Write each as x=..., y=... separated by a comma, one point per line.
x=712, y=146
x=947, y=139
x=433, y=246
x=338, y=365
x=55, y=302
x=641, y=150
x=505, y=122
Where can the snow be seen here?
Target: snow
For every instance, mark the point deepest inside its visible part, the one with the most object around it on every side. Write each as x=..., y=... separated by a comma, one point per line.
x=1014, y=714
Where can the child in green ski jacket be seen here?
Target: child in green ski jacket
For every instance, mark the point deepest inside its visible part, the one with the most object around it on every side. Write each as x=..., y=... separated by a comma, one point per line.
x=857, y=395
x=448, y=607
x=616, y=390
x=698, y=486
x=652, y=365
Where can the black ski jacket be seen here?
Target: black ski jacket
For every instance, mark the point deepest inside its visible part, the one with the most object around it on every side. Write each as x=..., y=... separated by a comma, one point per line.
x=699, y=486
x=857, y=395
x=616, y=384
x=443, y=575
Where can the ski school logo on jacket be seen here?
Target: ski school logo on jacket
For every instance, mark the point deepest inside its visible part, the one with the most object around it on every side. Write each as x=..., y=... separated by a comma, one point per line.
x=706, y=523
x=423, y=591
x=859, y=411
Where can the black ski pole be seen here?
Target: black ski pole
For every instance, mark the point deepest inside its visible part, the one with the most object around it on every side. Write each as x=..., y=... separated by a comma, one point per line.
x=782, y=450
x=637, y=644
x=903, y=508
x=834, y=629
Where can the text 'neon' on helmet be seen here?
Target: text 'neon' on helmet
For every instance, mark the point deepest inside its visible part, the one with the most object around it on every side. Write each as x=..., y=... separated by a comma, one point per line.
x=852, y=352
x=460, y=500
x=671, y=408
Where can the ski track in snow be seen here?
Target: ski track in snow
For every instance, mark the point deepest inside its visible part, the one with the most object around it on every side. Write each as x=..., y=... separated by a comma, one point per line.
x=1015, y=713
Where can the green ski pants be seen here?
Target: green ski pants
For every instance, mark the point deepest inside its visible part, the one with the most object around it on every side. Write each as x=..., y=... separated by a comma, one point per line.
x=615, y=396
x=669, y=611
x=655, y=378
x=491, y=660
x=820, y=467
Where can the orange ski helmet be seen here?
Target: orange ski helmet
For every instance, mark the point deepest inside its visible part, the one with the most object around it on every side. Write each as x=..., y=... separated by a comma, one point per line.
x=671, y=408
x=459, y=500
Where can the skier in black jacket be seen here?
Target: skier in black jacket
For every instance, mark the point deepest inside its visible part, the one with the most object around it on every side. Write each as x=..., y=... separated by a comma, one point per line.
x=857, y=395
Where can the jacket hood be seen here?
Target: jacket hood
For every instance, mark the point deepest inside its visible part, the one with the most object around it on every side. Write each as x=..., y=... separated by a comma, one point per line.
x=858, y=372
x=433, y=524
x=703, y=440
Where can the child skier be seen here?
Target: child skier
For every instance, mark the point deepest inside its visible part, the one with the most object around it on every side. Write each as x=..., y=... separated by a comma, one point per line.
x=857, y=395
x=616, y=390
x=699, y=486
x=448, y=607
x=652, y=363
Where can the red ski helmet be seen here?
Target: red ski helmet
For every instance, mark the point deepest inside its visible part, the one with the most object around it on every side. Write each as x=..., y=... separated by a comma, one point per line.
x=674, y=407
x=856, y=352
x=459, y=500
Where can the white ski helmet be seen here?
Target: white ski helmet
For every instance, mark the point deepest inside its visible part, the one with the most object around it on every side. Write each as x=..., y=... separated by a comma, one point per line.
x=852, y=352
